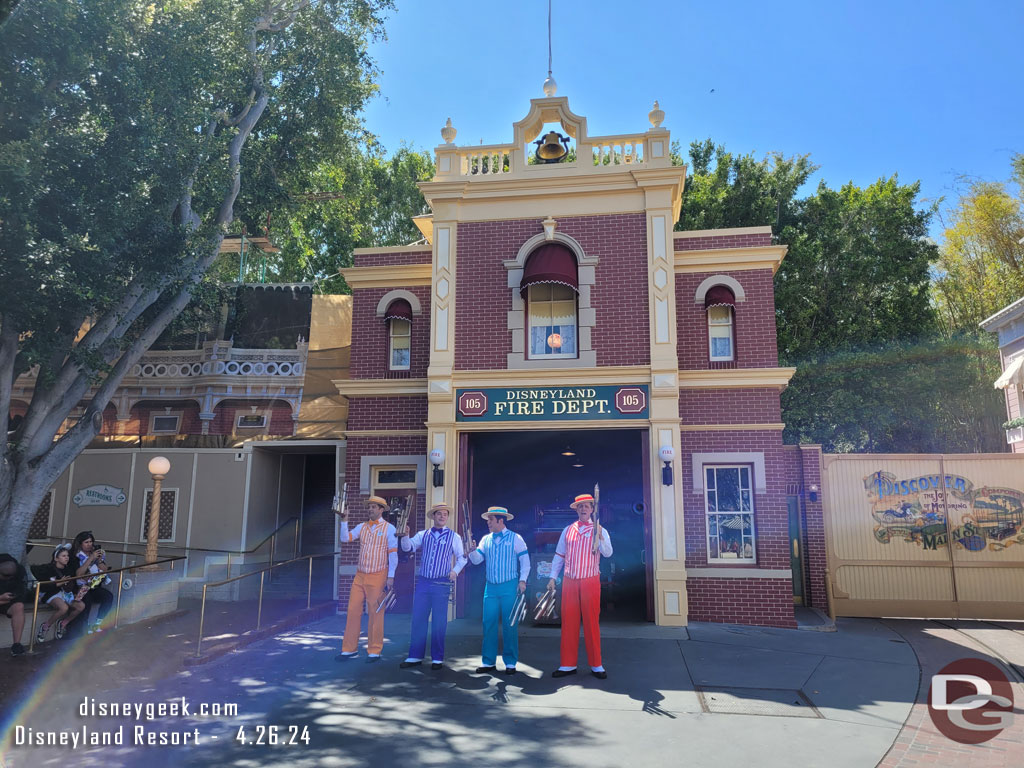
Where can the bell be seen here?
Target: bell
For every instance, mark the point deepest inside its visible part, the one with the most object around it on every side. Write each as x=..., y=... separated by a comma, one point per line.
x=550, y=149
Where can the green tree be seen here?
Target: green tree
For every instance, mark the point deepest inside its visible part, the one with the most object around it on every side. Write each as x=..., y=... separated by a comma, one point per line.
x=726, y=190
x=981, y=265
x=125, y=126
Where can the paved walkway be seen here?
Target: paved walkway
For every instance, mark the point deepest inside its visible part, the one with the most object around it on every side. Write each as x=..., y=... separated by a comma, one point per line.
x=728, y=695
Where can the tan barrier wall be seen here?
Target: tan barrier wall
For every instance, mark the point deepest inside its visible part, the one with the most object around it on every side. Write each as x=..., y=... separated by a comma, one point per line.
x=930, y=536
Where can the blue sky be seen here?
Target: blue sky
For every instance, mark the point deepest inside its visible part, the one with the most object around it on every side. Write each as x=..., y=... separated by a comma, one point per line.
x=929, y=90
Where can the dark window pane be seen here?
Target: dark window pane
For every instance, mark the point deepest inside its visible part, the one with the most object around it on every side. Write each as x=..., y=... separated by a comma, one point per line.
x=728, y=489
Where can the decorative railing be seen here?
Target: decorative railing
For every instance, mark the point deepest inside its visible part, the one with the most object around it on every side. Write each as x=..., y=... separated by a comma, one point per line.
x=489, y=160
x=218, y=359
x=617, y=150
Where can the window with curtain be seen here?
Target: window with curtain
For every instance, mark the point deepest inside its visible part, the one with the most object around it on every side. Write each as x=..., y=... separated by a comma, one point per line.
x=729, y=513
x=401, y=334
x=552, y=320
x=720, y=337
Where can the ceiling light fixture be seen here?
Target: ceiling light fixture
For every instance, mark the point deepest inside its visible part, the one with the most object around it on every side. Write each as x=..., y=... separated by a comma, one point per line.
x=568, y=451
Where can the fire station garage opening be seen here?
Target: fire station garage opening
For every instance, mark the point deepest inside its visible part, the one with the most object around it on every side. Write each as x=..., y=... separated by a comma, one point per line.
x=536, y=474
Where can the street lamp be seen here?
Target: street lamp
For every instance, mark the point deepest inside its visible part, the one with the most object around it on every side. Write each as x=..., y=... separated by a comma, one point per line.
x=158, y=468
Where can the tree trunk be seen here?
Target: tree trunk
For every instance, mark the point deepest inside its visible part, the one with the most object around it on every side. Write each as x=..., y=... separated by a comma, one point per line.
x=28, y=491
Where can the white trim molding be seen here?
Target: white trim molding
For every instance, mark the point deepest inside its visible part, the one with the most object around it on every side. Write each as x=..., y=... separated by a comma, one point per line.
x=729, y=282
x=700, y=460
x=387, y=298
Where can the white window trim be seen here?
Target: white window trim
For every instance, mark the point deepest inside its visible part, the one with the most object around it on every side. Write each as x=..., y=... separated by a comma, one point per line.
x=153, y=416
x=729, y=282
x=239, y=416
x=586, y=315
x=391, y=348
x=698, y=460
x=174, y=515
x=752, y=560
x=369, y=463
x=376, y=485
x=732, y=337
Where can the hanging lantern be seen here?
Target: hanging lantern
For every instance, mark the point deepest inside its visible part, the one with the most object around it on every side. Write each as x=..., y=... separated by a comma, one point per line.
x=555, y=341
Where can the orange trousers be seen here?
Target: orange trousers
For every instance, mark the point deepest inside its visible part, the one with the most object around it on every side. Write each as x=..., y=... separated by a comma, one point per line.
x=581, y=598
x=366, y=588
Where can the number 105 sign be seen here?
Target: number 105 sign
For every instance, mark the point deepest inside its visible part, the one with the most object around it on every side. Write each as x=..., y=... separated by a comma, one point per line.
x=553, y=403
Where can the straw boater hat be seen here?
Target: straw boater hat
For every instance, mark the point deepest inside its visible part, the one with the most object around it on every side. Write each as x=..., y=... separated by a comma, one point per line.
x=378, y=501
x=438, y=508
x=498, y=511
x=580, y=499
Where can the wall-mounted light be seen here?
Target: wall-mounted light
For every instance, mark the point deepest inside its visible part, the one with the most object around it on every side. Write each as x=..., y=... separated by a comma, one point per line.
x=812, y=492
x=437, y=459
x=667, y=454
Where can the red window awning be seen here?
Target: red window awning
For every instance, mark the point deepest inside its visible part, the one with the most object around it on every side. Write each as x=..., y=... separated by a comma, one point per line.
x=551, y=263
x=719, y=296
x=399, y=309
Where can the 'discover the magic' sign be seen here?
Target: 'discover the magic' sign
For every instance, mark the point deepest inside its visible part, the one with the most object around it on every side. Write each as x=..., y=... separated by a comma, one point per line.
x=552, y=403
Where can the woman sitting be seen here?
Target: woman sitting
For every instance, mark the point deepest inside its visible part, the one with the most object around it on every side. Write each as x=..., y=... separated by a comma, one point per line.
x=59, y=596
x=90, y=562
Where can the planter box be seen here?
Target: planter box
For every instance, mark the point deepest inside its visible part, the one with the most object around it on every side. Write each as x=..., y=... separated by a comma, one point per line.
x=1015, y=435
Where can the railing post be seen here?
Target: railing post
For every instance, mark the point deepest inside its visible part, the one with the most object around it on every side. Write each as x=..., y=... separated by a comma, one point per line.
x=35, y=616
x=229, y=567
x=309, y=584
x=259, y=609
x=295, y=544
x=117, y=606
x=202, y=619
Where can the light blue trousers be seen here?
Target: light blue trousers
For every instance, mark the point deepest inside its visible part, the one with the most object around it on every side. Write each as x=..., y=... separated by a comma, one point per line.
x=498, y=599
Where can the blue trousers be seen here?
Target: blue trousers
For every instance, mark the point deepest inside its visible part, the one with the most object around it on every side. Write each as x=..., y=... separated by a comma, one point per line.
x=431, y=597
x=498, y=599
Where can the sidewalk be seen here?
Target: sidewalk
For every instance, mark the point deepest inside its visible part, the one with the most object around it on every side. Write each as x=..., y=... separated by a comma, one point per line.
x=728, y=695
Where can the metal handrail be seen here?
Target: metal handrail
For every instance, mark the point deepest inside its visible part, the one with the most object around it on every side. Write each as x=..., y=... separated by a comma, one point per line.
x=262, y=572
x=76, y=577
x=271, y=537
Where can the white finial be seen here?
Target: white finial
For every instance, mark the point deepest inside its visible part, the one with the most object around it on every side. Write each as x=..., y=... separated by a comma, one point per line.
x=656, y=115
x=448, y=132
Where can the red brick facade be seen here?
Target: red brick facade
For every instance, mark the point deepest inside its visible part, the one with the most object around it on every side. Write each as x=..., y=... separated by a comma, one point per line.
x=621, y=336
x=749, y=240
x=753, y=322
x=223, y=423
x=391, y=259
x=619, y=296
x=371, y=342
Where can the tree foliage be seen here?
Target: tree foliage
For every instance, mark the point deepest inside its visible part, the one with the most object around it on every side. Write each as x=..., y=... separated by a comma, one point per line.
x=981, y=268
x=125, y=128
x=854, y=310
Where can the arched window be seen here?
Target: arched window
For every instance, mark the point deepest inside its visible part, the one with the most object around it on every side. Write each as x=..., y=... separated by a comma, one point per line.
x=399, y=319
x=550, y=287
x=720, y=304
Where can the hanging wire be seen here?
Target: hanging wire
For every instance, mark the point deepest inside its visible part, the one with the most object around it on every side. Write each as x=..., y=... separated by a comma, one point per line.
x=549, y=38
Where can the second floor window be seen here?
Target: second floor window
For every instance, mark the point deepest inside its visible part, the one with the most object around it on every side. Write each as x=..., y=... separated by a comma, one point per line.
x=401, y=333
x=552, y=320
x=720, y=304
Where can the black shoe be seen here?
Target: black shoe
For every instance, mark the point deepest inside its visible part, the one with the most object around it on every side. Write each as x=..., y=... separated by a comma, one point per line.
x=407, y=664
x=563, y=672
x=482, y=670
x=436, y=665
x=599, y=675
x=345, y=656
x=372, y=659
x=510, y=670
x=17, y=649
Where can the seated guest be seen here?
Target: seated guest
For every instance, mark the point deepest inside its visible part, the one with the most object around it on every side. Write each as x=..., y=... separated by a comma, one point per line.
x=90, y=564
x=59, y=596
x=12, y=595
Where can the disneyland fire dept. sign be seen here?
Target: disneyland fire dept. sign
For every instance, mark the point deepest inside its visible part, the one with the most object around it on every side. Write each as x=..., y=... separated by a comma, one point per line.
x=552, y=403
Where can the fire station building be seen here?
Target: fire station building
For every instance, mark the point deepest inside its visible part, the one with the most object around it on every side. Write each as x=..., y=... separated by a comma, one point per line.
x=552, y=332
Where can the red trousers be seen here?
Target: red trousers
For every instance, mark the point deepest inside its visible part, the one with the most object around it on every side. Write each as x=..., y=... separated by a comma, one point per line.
x=581, y=598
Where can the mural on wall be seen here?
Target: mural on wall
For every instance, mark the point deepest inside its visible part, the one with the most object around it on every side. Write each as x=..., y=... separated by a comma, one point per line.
x=914, y=510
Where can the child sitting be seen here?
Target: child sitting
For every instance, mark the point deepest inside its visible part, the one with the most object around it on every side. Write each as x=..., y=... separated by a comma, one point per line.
x=59, y=596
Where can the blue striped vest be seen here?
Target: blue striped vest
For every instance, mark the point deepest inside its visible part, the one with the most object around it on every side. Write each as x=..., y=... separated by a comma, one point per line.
x=436, y=560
